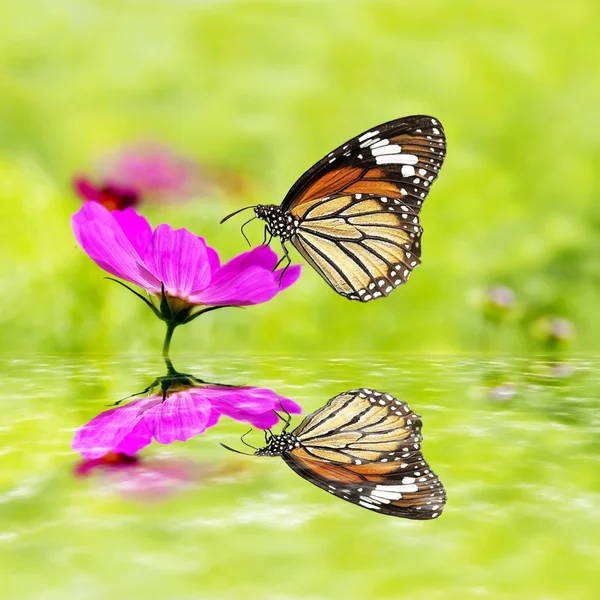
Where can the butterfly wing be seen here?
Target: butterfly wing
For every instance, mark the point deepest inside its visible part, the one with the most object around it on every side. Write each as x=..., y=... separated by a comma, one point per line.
x=405, y=153
x=364, y=446
x=358, y=208
x=364, y=246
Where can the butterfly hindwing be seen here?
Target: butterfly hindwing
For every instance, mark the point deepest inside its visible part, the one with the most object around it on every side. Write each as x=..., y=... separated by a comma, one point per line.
x=363, y=245
x=364, y=446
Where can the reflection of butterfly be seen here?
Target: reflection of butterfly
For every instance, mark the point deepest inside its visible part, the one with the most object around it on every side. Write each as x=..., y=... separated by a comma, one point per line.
x=365, y=447
x=354, y=216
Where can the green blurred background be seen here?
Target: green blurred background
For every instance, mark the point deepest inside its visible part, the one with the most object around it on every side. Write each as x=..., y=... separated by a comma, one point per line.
x=264, y=89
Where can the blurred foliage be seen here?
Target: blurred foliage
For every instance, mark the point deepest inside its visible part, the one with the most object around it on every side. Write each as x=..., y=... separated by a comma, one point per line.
x=264, y=89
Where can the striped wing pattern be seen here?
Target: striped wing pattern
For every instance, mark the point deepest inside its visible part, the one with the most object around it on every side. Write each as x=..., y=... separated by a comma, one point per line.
x=364, y=246
x=364, y=446
x=358, y=208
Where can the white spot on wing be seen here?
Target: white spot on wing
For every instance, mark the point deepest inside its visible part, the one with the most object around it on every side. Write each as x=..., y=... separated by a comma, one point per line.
x=400, y=159
x=367, y=505
x=408, y=171
x=366, y=136
x=398, y=488
x=391, y=149
x=380, y=143
x=386, y=496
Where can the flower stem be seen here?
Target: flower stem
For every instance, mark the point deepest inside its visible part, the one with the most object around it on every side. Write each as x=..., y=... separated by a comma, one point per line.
x=167, y=343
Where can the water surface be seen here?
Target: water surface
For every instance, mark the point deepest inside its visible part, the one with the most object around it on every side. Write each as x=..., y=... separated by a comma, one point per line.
x=515, y=442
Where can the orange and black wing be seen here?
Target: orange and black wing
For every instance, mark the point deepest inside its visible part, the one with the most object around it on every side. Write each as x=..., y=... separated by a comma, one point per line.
x=357, y=210
x=399, y=159
x=364, y=446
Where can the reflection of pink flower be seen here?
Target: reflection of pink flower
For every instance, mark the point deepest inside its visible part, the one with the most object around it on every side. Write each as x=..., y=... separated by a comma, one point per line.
x=184, y=414
x=147, y=479
x=109, y=460
x=109, y=195
x=123, y=244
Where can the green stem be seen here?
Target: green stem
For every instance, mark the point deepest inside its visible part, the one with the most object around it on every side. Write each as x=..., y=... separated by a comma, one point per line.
x=167, y=343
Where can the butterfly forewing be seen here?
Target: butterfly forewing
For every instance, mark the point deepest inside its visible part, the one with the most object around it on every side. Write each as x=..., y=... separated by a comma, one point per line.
x=399, y=159
x=364, y=446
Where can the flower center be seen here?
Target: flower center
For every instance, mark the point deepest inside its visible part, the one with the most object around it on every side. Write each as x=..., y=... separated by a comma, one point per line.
x=177, y=304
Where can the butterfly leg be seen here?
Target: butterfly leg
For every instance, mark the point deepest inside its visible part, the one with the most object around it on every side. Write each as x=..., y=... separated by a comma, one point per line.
x=287, y=418
x=287, y=259
x=267, y=232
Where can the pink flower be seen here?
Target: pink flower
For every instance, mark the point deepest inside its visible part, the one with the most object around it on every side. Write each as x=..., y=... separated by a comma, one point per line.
x=184, y=414
x=110, y=195
x=123, y=244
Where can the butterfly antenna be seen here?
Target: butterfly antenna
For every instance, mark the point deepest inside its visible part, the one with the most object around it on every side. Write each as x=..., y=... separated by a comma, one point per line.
x=237, y=212
x=236, y=451
x=246, y=443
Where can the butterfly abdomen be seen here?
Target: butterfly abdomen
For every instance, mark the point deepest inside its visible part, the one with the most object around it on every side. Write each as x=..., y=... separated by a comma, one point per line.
x=280, y=224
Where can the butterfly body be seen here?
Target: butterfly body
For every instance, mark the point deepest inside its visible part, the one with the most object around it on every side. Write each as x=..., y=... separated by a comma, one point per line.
x=355, y=215
x=364, y=446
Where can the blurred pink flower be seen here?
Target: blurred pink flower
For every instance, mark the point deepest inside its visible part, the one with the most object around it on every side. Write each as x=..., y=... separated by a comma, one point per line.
x=109, y=195
x=501, y=297
x=184, y=414
x=148, y=172
x=155, y=172
x=123, y=244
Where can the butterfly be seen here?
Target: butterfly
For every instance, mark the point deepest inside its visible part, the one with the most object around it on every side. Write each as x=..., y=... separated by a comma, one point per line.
x=363, y=446
x=354, y=215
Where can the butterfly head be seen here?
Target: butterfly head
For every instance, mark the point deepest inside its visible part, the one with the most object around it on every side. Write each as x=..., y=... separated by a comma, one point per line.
x=278, y=444
x=279, y=223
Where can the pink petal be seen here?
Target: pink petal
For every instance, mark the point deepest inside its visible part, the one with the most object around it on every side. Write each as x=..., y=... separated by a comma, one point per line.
x=213, y=418
x=104, y=432
x=252, y=405
x=290, y=276
x=246, y=279
x=103, y=240
x=261, y=256
x=139, y=437
x=179, y=259
x=289, y=406
x=252, y=286
x=86, y=189
x=266, y=420
x=135, y=227
x=180, y=417
x=213, y=257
